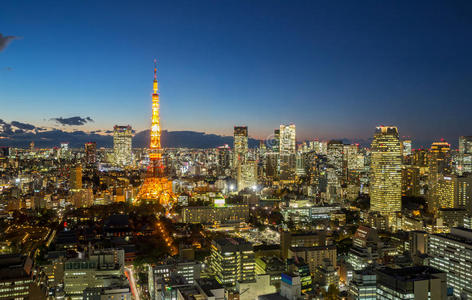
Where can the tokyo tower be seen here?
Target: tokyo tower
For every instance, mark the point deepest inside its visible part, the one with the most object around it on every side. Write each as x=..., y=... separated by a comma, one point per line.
x=156, y=187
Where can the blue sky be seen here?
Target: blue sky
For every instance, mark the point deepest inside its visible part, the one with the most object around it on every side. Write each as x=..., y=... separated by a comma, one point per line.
x=334, y=68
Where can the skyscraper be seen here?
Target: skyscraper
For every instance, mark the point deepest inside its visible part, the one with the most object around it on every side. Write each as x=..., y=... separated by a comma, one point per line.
x=463, y=159
x=386, y=164
x=276, y=141
x=465, y=144
x=287, y=151
x=224, y=159
x=247, y=174
x=287, y=139
x=75, y=179
x=463, y=192
x=336, y=156
x=439, y=160
x=406, y=147
x=439, y=163
x=122, y=137
x=90, y=154
x=64, y=152
x=240, y=148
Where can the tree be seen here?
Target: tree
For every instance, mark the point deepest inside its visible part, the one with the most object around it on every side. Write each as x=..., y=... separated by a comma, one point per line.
x=332, y=293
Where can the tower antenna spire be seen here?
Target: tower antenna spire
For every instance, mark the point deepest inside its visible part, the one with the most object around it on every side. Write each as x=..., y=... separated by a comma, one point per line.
x=155, y=69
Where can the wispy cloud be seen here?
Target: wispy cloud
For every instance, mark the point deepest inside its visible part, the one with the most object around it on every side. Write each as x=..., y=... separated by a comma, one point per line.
x=73, y=121
x=23, y=125
x=6, y=40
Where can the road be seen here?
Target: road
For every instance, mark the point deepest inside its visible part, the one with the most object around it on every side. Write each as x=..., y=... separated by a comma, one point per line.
x=132, y=282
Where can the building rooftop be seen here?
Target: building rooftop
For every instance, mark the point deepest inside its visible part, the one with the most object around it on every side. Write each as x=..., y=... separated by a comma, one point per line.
x=232, y=244
x=410, y=273
x=266, y=247
x=328, y=247
x=15, y=266
x=208, y=284
x=275, y=296
x=458, y=234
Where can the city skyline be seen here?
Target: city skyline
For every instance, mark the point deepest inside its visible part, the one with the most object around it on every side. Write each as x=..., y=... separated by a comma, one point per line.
x=210, y=83
x=235, y=150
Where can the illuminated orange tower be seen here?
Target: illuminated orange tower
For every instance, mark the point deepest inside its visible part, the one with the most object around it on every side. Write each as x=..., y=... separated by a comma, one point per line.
x=156, y=188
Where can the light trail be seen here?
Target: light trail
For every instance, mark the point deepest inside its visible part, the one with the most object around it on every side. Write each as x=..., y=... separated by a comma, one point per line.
x=132, y=282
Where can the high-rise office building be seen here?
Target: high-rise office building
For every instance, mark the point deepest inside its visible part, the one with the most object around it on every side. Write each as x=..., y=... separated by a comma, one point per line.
x=406, y=147
x=320, y=147
x=287, y=139
x=122, y=137
x=247, y=174
x=272, y=164
x=386, y=177
x=350, y=155
x=439, y=165
x=463, y=192
x=300, y=164
x=336, y=156
x=442, y=194
x=439, y=160
x=462, y=160
x=240, y=148
x=420, y=158
x=276, y=141
x=410, y=181
x=232, y=260
x=287, y=151
x=465, y=144
x=90, y=154
x=75, y=179
x=224, y=159
x=452, y=254
x=64, y=151
x=462, y=163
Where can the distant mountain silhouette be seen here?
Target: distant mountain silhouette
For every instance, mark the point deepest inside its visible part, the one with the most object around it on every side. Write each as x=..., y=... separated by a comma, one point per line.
x=188, y=139
x=17, y=134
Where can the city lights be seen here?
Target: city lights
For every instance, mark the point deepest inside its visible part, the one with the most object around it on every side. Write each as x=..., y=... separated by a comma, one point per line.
x=263, y=175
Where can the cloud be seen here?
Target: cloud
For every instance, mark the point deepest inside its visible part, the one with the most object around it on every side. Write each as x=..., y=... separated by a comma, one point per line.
x=5, y=40
x=23, y=125
x=73, y=121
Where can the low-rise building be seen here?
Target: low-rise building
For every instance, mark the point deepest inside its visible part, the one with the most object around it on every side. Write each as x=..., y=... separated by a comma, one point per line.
x=314, y=256
x=215, y=214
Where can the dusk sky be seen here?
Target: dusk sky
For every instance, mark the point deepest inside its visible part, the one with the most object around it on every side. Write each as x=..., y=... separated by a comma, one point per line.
x=336, y=69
